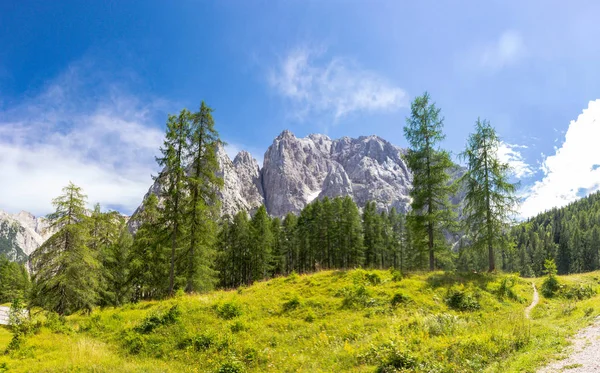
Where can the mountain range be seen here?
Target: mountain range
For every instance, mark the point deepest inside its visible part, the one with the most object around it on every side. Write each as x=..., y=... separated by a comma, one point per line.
x=294, y=172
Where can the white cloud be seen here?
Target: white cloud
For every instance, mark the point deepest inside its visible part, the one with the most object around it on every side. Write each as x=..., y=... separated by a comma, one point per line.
x=509, y=153
x=573, y=171
x=337, y=86
x=102, y=139
x=501, y=53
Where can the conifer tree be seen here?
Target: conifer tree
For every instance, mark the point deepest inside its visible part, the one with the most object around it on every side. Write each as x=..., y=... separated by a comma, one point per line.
x=261, y=240
x=149, y=257
x=173, y=160
x=489, y=196
x=429, y=164
x=65, y=270
x=203, y=209
x=14, y=280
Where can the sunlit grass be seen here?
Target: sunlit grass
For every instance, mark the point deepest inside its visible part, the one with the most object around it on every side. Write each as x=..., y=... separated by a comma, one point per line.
x=332, y=321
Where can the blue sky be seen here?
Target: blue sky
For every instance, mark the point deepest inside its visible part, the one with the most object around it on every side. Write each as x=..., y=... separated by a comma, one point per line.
x=85, y=87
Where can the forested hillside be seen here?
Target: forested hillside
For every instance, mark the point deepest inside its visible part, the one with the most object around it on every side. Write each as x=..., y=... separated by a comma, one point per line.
x=570, y=235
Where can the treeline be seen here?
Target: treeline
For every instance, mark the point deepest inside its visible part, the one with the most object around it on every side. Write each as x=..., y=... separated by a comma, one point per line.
x=181, y=243
x=327, y=234
x=14, y=280
x=570, y=235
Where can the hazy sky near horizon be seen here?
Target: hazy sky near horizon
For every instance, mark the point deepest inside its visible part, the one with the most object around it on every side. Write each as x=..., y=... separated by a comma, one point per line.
x=85, y=87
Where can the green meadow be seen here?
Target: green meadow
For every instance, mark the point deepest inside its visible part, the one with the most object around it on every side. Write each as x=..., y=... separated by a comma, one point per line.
x=331, y=321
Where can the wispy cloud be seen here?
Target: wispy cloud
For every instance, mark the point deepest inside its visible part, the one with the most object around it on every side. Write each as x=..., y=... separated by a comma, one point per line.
x=80, y=128
x=498, y=54
x=313, y=83
x=510, y=153
x=573, y=171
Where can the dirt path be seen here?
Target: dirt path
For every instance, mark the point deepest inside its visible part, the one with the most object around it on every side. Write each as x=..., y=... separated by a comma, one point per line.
x=585, y=354
x=534, y=302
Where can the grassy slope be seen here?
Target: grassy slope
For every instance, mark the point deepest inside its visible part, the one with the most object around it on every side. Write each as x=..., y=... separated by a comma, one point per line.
x=326, y=322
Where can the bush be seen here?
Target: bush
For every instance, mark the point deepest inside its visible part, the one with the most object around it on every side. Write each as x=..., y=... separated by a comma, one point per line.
x=237, y=326
x=461, y=300
x=291, y=304
x=580, y=292
x=229, y=310
x=396, y=275
x=199, y=343
x=373, y=279
x=357, y=296
x=399, y=298
x=506, y=288
x=397, y=361
x=232, y=366
x=156, y=320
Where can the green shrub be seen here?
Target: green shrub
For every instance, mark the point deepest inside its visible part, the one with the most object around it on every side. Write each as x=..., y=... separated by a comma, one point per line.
x=229, y=310
x=237, y=326
x=357, y=296
x=156, y=320
x=133, y=342
x=399, y=298
x=232, y=366
x=373, y=278
x=397, y=361
x=396, y=275
x=506, y=288
x=291, y=304
x=57, y=323
x=579, y=292
x=550, y=286
x=461, y=300
x=199, y=343
x=389, y=357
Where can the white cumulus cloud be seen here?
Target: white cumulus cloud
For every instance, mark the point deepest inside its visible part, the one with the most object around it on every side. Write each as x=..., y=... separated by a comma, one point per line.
x=509, y=153
x=573, y=171
x=102, y=139
x=338, y=85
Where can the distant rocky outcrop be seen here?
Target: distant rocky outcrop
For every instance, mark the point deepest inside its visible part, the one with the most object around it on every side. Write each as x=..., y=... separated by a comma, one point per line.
x=21, y=234
x=297, y=170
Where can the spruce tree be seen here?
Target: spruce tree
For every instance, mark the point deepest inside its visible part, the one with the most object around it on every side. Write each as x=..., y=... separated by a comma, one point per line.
x=65, y=270
x=490, y=199
x=431, y=181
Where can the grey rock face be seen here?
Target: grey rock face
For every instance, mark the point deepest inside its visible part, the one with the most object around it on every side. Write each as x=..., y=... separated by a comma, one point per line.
x=298, y=170
x=21, y=234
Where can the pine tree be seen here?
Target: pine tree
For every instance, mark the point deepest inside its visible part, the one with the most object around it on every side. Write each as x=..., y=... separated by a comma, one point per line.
x=429, y=164
x=65, y=270
x=174, y=154
x=489, y=196
x=203, y=209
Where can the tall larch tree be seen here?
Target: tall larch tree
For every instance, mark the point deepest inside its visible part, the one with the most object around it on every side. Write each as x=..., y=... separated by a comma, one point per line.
x=490, y=197
x=173, y=160
x=65, y=270
x=429, y=164
x=203, y=208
